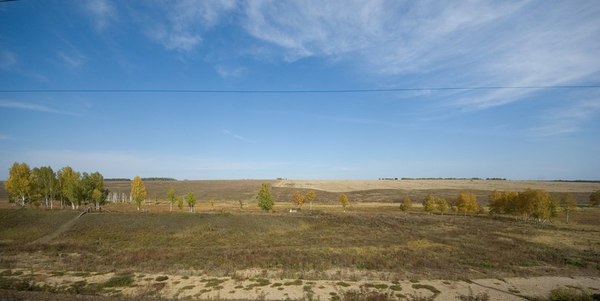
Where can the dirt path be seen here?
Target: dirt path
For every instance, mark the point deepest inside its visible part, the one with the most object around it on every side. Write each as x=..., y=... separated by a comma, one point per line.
x=62, y=229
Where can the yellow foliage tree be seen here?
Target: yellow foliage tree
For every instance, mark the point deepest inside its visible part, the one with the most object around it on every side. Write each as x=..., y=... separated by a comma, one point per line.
x=595, y=198
x=311, y=196
x=466, y=202
x=344, y=200
x=429, y=204
x=535, y=203
x=568, y=204
x=406, y=204
x=298, y=199
x=138, y=191
x=18, y=183
x=441, y=205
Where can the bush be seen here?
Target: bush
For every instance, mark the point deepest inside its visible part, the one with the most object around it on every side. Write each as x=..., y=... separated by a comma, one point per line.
x=364, y=295
x=569, y=294
x=470, y=297
x=119, y=281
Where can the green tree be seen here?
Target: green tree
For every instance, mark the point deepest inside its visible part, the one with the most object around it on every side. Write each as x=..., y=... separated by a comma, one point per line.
x=180, y=202
x=264, y=197
x=406, y=204
x=568, y=204
x=90, y=183
x=172, y=197
x=466, y=202
x=138, y=191
x=69, y=181
x=298, y=199
x=595, y=198
x=311, y=196
x=99, y=196
x=19, y=183
x=429, y=204
x=46, y=183
x=190, y=198
x=344, y=200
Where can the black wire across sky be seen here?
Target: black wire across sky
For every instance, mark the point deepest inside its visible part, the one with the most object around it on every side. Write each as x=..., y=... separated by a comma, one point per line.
x=299, y=91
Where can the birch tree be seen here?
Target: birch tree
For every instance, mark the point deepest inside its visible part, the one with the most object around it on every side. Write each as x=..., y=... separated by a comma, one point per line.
x=18, y=183
x=69, y=185
x=344, y=201
x=190, y=198
x=311, y=196
x=172, y=197
x=44, y=179
x=138, y=191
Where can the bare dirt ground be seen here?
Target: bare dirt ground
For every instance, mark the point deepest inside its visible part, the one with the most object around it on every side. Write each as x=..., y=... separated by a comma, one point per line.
x=259, y=288
x=490, y=185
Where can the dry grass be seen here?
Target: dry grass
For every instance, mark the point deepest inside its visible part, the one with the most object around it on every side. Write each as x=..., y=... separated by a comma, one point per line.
x=413, y=245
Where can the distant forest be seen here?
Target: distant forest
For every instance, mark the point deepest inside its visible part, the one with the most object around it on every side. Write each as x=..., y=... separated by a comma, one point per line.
x=143, y=179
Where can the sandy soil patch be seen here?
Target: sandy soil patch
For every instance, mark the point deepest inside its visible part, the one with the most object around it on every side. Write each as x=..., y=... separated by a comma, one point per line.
x=224, y=288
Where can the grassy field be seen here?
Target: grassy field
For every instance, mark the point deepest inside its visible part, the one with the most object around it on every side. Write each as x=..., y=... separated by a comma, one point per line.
x=373, y=241
x=312, y=244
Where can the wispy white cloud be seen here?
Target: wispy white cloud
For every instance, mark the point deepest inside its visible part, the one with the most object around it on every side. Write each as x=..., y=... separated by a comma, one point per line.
x=230, y=71
x=565, y=120
x=102, y=12
x=186, y=21
x=129, y=164
x=5, y=137
x=448, y=44
x=230, y=134
x=29, y=106
x=8, y=59
x=73, y=59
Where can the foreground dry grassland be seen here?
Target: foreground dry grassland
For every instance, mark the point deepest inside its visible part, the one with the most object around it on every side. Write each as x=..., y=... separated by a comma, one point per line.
x=227, y=252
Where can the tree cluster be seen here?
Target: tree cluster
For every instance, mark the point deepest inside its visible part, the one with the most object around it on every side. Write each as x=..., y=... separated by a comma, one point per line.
x=529, y=204
x=42, y=186
x=435, y=204
x=465, y=202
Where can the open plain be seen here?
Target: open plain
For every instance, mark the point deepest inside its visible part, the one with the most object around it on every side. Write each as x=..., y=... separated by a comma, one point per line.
x=229, y=249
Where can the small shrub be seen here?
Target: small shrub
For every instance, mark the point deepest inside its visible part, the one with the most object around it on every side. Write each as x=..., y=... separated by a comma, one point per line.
x=295, y=282
x=119, y=281
x=162, y=278
x=396, y=287
x=427, y=287
x=470, y=297
x=343, y=284
x=364, y=295
x=569, y=294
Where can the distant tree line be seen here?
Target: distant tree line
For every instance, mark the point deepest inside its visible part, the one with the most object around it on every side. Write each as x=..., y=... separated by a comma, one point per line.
x=42, y=186
x=143, y=179
x=462, y=179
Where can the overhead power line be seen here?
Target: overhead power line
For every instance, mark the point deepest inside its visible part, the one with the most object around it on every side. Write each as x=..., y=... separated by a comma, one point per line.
x=270, y=91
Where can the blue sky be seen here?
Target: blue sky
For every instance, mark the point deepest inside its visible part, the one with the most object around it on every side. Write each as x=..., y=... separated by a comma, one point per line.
x=302, y=46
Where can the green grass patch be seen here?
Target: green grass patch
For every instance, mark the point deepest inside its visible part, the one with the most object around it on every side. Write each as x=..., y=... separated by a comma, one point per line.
x=161, y=278
x=82, y=274
x=122, y=280
x=396, y=287
x=428, y=287
x=342, y=284
x=213, y=282
x=295, y=282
